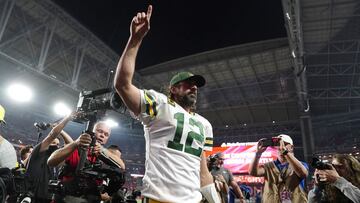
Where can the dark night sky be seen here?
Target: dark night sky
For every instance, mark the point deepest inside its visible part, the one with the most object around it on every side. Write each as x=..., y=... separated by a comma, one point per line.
x=180, y=27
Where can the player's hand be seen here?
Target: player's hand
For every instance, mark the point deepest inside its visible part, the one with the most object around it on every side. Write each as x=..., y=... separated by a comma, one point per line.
x=84, y=141
x=140, y=24
x=260, y=149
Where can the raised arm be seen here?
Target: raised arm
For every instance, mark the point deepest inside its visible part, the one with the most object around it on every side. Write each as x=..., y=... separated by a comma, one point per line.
x=66, y=137
x=298, y=167
x=60, y=155
x=254, y=168
x=54, y=133
x=130, y=94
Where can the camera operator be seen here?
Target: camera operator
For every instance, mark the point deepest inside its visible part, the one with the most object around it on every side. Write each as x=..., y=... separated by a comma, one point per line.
x=284, y=177
x=38, y=173
x=217, y=169
x=339, y=183
x=70, y=154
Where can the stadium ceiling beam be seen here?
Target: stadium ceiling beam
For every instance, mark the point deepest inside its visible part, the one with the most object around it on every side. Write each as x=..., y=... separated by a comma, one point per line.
x=281, y=85
x=292, y=16
x=241, y=91
x=354, y=73
x=225, y=98
x=259, y=86
x=335, y=93
x=48, y=36
x=16, y=37
x=36, y=71
x=270, y=78
x=350, y=69
x=79, y=58
x=6, y=12
x=240, y=104
x=57, y=12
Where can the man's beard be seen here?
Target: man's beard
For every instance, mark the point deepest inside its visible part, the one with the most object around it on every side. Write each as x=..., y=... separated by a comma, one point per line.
x=188, y=101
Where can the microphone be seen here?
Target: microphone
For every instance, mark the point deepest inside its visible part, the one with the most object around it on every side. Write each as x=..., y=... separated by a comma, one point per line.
x=42, y=125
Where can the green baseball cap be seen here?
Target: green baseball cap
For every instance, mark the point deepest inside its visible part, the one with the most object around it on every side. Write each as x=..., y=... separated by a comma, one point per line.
x=198, y=79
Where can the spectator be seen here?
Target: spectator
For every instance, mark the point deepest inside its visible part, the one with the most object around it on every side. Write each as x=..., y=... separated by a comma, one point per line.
x=340, y=183
x=38, y=173
x=285, y=177
x=217, y=169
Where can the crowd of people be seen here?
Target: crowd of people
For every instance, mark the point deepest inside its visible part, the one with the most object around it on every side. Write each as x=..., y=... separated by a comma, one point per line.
x=177, y=170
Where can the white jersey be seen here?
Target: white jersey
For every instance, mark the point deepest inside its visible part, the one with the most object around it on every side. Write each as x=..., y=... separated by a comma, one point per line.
x=174, y=143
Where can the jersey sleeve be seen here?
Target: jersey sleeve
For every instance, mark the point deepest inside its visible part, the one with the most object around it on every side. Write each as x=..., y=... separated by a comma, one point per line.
x=208, y=137
x=150, y=101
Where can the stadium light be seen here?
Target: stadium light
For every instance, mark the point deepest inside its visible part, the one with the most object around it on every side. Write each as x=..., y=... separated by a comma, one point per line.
x=62, y=109
x=111, y=123
x=19, y=92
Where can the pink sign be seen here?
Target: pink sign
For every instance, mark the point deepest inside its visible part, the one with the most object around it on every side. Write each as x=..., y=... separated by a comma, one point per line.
x=238, y=158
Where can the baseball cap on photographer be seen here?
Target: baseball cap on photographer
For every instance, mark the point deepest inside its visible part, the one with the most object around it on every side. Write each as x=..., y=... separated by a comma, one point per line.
x=2, y=114
x=286, y=138
x=198, y=79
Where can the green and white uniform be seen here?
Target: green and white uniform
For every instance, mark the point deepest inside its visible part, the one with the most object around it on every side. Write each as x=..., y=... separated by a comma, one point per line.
x=174, y=142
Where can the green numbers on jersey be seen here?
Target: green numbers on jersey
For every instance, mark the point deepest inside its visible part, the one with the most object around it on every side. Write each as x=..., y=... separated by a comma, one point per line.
x=175, y=143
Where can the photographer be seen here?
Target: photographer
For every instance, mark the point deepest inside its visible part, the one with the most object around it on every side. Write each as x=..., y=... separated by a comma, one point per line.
x=70, y=155
x=285, y=177
x=217, y=169
x=340, y=182
x=38, y=173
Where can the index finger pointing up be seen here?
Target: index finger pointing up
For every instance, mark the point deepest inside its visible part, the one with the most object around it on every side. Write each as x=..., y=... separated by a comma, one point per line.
x=149, y=12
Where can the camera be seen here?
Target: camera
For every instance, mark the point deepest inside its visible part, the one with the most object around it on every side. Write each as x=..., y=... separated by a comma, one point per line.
x=93, y=104
x=13, y=185
x=269, y=142
x=318, y=164
x=86, y=181
x=211, y=161
x=42, y=125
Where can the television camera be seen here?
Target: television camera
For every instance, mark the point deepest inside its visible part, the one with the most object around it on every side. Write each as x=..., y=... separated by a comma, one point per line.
x=92, y=106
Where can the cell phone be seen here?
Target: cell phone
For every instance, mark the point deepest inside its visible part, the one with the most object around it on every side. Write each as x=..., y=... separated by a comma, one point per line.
x=274, y=141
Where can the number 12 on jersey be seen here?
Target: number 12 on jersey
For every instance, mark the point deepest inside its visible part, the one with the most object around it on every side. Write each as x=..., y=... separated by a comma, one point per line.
x=175, y=143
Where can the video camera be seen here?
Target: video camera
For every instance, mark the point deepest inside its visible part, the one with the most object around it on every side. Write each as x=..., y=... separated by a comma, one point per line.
x=93, y=104
x=86, y=181
x=318, y=164
x=13, y=185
